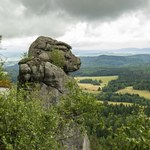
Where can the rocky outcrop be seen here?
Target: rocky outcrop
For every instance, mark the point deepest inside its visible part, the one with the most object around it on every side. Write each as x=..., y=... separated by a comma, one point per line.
x=48, y=65
x=47, y=48
x=52, y=79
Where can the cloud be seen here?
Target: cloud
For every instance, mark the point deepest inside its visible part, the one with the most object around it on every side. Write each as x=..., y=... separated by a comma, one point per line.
x=38, y=7
x=85, y=9
x=129, y=30
x=16, y=22
x=79, y=22
x=97, y=9
x=54, y=17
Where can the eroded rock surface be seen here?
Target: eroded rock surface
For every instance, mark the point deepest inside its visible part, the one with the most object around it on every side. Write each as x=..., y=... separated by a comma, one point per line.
x=45, y=47
x=48, y=64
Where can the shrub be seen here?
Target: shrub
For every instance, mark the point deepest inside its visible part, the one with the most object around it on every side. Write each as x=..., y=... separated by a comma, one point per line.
x=58, y=58
x=27, y=124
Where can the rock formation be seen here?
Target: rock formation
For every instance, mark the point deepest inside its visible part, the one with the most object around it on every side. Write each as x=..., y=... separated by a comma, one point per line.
x=48, y=64
x=46, y=48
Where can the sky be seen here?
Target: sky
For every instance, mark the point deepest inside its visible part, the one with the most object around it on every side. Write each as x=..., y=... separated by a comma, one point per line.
x=84, y=24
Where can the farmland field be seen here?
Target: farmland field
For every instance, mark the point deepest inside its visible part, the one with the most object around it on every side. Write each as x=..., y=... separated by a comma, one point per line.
x=130, y=90
x=94, y=88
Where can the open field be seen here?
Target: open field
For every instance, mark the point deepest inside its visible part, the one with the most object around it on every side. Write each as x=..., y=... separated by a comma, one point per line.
x=94, y=88
x=130, y=90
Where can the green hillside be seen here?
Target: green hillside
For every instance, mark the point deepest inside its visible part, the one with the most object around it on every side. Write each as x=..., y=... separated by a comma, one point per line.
x=115, y=61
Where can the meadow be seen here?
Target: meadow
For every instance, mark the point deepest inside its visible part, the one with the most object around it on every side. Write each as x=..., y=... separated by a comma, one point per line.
x=94, y=88
x=130, y=90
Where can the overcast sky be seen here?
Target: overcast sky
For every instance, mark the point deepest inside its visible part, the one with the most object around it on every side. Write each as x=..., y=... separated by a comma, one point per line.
x=84, y=24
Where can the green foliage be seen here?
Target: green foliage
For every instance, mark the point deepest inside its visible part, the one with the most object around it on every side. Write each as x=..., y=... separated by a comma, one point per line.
x=130, y=98
x=134, y=135
x=58, y=58
x=91, y=81
x=26, y=124
x=2, y=73
x=121, y=127
x=139, y=79
x=112, y=65
x=80, y=107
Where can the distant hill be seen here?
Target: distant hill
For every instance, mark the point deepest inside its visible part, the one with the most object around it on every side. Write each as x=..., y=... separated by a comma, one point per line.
x=115, y=61
x=13, y=71
x=107, y=65
x=98, y=64
x=113, y=52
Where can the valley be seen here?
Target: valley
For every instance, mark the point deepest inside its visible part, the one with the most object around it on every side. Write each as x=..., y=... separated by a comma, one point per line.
x=112, y=102
x=130, y=90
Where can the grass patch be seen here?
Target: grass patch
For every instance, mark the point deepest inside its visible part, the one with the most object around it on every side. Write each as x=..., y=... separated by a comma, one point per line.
x=5, y=83
x=130, y=90
x=94, y=88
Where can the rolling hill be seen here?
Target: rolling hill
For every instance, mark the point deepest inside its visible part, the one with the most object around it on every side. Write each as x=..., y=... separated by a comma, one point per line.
x=115, y=61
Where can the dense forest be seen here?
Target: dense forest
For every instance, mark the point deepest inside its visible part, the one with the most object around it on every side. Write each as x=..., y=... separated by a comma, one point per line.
x=112, y=65
x=139, y=79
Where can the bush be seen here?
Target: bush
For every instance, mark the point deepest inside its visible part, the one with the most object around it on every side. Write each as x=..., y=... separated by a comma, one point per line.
x=58, y=58
x=134, y=135
x=26, y=124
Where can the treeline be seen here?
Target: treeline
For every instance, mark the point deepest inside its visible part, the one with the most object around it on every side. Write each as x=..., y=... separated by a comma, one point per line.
x=129, y=98
x=99, y=71
x=120, y=127
x=137, y=76
x=90, y=81
x=139, y=79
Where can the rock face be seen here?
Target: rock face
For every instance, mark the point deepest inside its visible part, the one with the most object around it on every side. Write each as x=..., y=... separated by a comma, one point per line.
x=46, y=49
x=48, y=64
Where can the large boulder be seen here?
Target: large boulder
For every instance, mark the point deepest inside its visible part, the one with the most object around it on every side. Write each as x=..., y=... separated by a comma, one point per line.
x=51, y=79
x=48, y=49
x=48, y=63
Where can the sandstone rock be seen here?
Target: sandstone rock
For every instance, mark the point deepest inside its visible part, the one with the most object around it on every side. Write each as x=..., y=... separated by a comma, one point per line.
x=44, y=56
x=25, y=68
x=43, y=66
x=44, y=47
x=47, y=70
